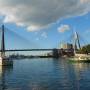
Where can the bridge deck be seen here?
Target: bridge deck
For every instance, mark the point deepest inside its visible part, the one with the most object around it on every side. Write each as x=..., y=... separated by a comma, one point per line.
x=28, y=50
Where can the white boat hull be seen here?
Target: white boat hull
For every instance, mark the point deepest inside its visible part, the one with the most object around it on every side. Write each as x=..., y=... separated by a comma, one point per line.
x=80, y=58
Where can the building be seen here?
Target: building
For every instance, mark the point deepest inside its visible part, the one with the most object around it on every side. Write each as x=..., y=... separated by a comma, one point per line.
x=66, y=46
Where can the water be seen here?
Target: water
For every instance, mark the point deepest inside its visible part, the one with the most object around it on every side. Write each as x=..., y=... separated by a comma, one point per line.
x=45, y=74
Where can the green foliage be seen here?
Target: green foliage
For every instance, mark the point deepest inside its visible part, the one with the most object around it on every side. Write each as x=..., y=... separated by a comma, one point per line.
x=85, y=49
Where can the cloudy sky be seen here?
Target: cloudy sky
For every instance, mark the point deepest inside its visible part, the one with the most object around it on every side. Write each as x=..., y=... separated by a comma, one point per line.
x=47, y=23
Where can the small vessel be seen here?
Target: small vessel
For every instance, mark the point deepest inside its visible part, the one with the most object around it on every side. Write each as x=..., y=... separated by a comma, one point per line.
x=79, y=57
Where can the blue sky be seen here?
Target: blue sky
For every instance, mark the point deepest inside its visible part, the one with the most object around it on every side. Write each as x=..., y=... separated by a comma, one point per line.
x=45, y=26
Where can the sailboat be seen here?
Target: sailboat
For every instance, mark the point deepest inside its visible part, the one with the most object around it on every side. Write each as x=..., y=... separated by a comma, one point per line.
x=78, y=57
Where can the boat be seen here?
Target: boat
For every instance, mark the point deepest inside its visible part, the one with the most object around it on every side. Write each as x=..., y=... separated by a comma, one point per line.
x=80, y=58
x=77, y=56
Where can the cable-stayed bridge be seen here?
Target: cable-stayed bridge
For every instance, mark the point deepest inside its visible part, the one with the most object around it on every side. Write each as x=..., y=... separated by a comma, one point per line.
x=5, y=43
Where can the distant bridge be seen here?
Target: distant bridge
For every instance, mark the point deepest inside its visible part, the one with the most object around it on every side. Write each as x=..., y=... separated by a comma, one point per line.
x=33, y=50
x=55, y=51
x=27, y=50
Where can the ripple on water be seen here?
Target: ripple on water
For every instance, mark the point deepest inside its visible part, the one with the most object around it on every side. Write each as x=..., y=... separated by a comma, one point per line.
x=45, y=74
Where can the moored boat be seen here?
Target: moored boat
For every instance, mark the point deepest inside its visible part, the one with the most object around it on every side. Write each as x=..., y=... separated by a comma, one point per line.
x=79, y=57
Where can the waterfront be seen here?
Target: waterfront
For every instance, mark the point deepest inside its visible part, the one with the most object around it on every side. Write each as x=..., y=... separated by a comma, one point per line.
x=45, y=74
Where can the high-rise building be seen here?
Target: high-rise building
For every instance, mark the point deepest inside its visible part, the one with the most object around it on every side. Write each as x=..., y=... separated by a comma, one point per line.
x=66, y=46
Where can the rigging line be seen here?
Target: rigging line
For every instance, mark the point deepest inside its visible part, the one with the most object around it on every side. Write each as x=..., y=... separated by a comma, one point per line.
x=84, y=42
x=14, y=33
x=68, y=38
x=83, y=39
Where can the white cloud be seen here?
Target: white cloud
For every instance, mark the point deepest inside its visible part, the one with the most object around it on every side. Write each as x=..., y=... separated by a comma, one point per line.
x=63, y=28
x=33, y=28
x=36, y=33
x=87, y=31
x=36, y=14
x=37, y=39
x=44, y=34
x=84, y=1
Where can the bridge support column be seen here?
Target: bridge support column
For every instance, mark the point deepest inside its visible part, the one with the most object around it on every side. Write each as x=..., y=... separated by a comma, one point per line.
x=55, y=53
x=4, y=61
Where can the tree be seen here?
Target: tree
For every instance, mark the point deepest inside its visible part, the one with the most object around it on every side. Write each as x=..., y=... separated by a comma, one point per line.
x=85, y=49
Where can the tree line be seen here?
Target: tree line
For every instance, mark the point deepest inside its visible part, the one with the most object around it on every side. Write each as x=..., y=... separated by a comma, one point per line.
x=85, y=49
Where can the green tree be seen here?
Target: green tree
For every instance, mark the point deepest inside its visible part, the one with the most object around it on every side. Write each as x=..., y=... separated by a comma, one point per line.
x=85, y=49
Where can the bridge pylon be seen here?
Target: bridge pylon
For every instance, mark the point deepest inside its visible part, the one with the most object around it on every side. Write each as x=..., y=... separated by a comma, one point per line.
x=4, y=61
x=2, y=43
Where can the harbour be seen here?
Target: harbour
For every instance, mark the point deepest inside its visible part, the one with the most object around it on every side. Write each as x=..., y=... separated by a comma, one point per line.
x=45, y=74
x=44, y=45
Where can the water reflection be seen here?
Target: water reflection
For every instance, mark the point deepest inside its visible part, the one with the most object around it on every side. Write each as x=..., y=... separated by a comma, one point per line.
x=45, y=74
x=4, y=70
x=81, y=73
